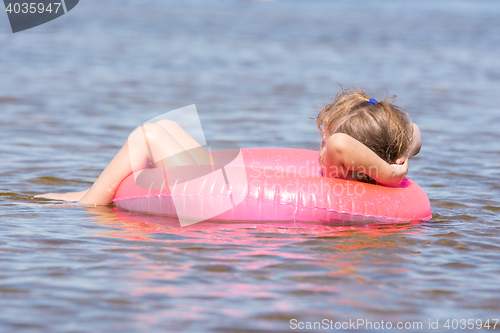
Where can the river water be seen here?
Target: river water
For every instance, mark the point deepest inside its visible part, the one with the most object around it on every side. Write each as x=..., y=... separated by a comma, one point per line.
x=73, y=89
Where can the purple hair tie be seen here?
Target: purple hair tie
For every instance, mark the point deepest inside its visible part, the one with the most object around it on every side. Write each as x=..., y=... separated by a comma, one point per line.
x=372, y=101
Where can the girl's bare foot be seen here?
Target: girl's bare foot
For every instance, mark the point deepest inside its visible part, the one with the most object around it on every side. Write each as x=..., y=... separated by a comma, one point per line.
x=70, y=196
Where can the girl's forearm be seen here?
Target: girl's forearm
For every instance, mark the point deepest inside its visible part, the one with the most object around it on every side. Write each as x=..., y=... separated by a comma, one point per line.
x=345, y=152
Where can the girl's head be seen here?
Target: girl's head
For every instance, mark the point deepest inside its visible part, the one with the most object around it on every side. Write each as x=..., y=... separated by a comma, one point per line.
x=382, y=126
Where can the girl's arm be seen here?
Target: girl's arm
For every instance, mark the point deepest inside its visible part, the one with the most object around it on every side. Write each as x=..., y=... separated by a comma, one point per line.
x=415, y=146
x=344, y=153
x=416, y=142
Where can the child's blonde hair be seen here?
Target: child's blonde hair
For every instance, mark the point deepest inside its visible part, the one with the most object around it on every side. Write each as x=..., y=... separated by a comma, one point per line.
x=381, y=126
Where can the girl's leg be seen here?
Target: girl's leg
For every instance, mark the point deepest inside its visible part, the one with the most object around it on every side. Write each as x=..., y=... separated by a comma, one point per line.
x=190, y=145
x=150, y=144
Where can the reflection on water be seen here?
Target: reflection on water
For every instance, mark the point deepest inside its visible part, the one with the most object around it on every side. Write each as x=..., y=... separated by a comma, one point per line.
x=224, y=260
x=143, y=226
x=72, y=91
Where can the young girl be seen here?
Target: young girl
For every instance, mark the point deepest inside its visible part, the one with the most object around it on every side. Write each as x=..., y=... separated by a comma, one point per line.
x=362, y=139
x=366, y=140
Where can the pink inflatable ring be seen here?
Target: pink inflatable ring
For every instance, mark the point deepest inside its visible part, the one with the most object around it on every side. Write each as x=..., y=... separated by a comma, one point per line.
x=277, y=185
